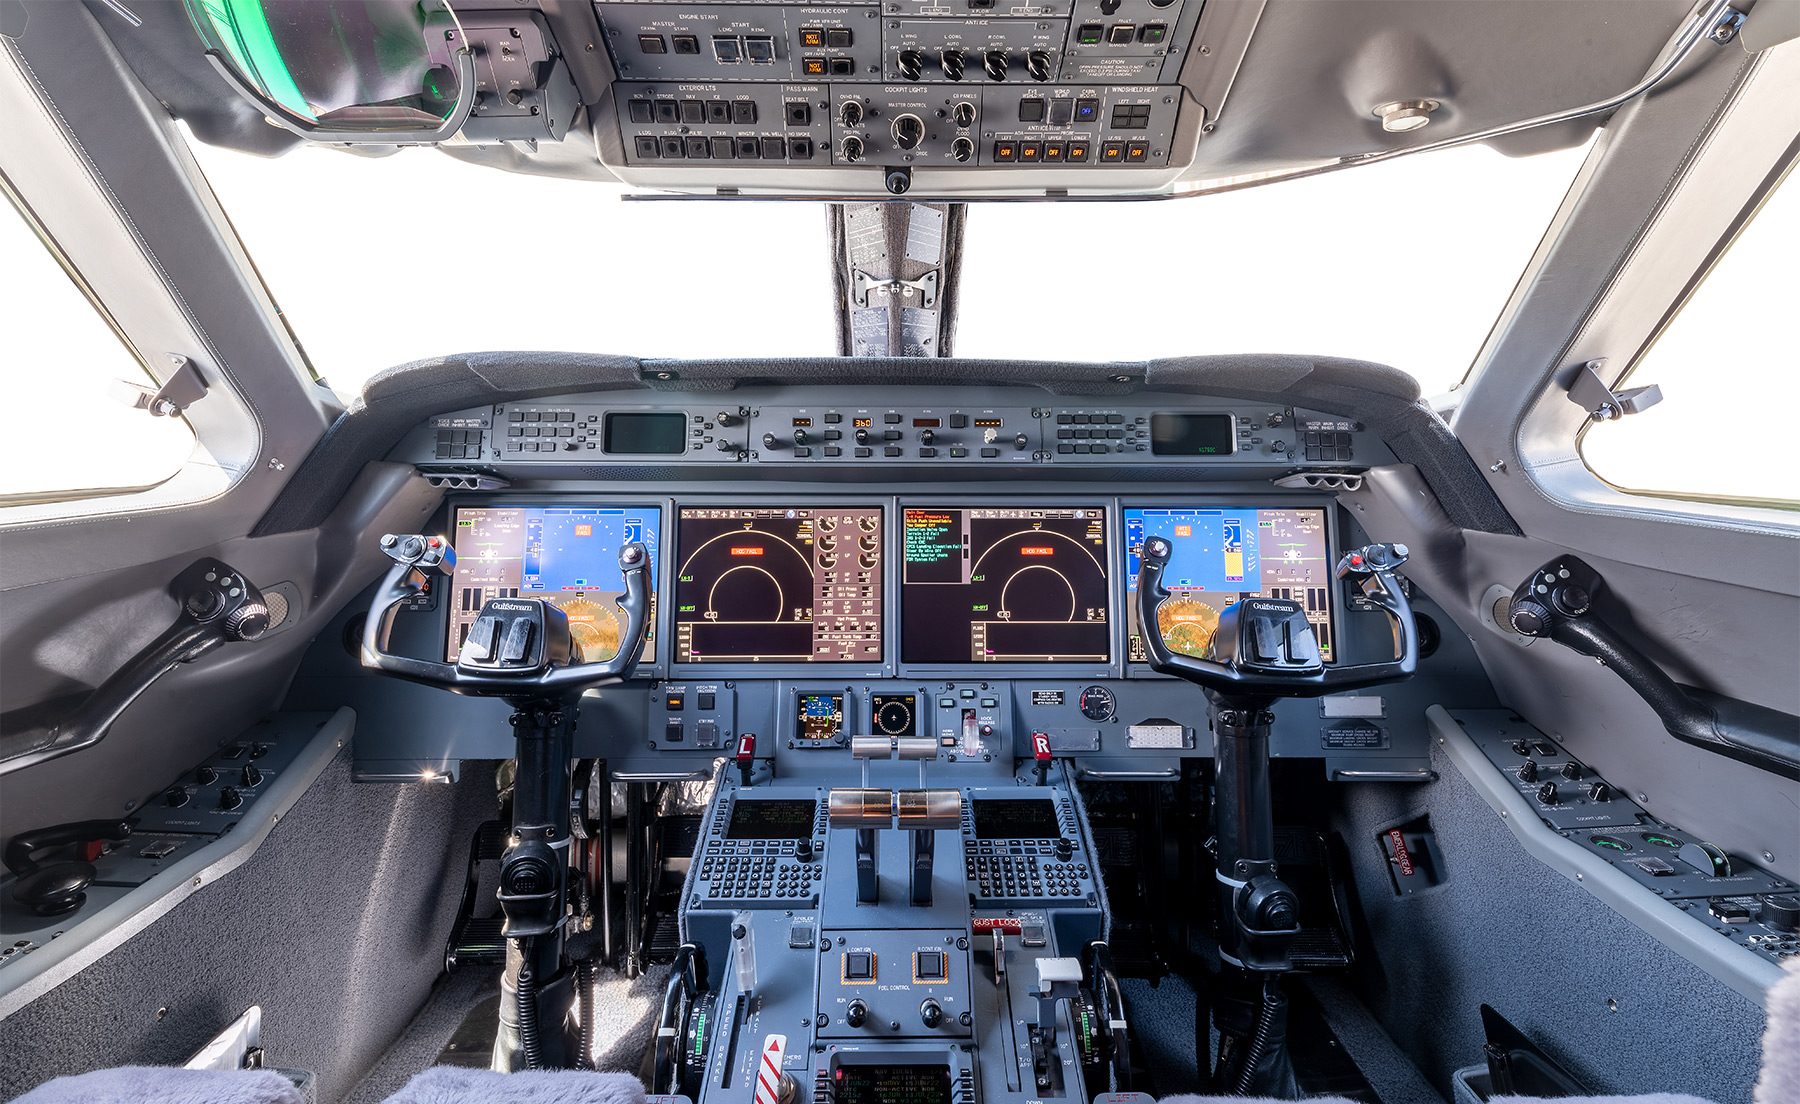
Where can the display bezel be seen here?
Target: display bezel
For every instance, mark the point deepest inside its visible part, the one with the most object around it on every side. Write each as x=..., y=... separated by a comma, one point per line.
x=1114, y=566
x=1339, y=607
x=792, y=669
x=652, y=665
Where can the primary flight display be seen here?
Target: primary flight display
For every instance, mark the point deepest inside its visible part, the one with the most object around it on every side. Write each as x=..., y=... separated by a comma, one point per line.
x=778, y=585
x=1006, y=584
x=1223, y=554
x=567, y=554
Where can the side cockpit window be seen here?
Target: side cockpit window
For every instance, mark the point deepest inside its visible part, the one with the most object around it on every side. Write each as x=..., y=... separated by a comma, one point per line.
x=1728, y=364
x=71, y=376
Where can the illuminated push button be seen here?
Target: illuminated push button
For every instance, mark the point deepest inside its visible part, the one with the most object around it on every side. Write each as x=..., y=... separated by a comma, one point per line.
x=859, y=966
x=931, y=966
x=1006, y=151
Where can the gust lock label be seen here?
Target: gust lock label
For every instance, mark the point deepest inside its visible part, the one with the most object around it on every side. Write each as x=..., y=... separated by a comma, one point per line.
x=1402, y=856
x=768, y=1069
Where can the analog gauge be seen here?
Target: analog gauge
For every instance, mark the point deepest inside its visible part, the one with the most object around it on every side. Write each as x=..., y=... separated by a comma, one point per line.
x=1098, y=703
x=826, y=544
x=827, y=560
x=894, y=714
x=826, y=523
x=868, y=524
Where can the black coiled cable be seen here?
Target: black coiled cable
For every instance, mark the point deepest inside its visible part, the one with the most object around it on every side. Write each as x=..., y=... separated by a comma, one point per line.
x=530, y=1045
x=584, y=977
x=1259, y=1038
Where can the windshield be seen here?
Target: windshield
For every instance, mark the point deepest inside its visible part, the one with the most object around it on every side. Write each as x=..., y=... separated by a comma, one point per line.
x=380, y=260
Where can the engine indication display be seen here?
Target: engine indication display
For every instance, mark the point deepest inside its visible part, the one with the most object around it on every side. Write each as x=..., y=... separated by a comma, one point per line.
x=568, y=554
x=1221, y=555
x=1010, y=584
x=778, y=585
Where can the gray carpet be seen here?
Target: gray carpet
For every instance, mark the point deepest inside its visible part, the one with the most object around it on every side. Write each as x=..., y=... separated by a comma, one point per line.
x=1162, y=1020
x=1622, y=1012
x=335, y=926
x=1386, y=1067
x=626, y=1011
x=425, y=1038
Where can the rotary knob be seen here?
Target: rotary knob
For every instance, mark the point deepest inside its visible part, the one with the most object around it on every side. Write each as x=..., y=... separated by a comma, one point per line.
x=205, y=776
x=230, y=799
x=909, y=131
x=927, y=436
x=856, y=1014
x=994, y=63
x=177, y=797
x=1781, y=911
x=1037, y=63
x=1529, y=617
x=772, y=442
x=853, y=148
x=911, y=64
x=953, y=62
x=251, y=776
x=1528, y=771
x=963, y=114
x=851, y=113
x=931, y=1013
x=962, y=149
x=248, y=621
x=725, y=419
x=1547, y=794
x=1572, y=771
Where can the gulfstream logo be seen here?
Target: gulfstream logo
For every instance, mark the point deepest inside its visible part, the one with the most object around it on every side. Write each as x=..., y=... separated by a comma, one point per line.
x=1270, y=607
x=522, y=607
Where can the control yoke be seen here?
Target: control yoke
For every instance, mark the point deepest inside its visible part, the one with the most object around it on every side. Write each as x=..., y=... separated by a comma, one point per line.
x=1557, y=602
x=518, y=648
x=1264, y=647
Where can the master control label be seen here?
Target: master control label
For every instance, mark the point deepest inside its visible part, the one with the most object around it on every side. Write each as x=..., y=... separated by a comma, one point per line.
x=1354, y=737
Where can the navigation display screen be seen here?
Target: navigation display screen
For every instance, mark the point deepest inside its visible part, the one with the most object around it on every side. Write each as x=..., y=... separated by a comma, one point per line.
x=893, y=1084
x=1011, y=584
x=1005, y=818
x=778, y=585
x=1222, y=554
x=771, y=819
x=568, y=554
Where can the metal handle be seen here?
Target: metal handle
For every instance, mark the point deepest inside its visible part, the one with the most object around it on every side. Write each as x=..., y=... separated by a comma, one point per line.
x=314, y=131
x=1420, y=775
x=1167, y=774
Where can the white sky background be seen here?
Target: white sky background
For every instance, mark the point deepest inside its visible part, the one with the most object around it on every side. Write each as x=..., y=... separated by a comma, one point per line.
x=378, y=261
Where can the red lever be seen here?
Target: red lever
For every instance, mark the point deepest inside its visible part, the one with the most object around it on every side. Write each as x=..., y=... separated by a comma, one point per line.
x=1040, y=752
x=746, y=754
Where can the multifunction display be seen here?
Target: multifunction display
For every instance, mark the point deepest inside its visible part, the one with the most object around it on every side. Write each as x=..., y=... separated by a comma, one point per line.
x=925, y=1083
x=771, y=818
x=778, y=585
x=1005, y=818
x=1222, y=554
x=567, y=554
x=1008, y=584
